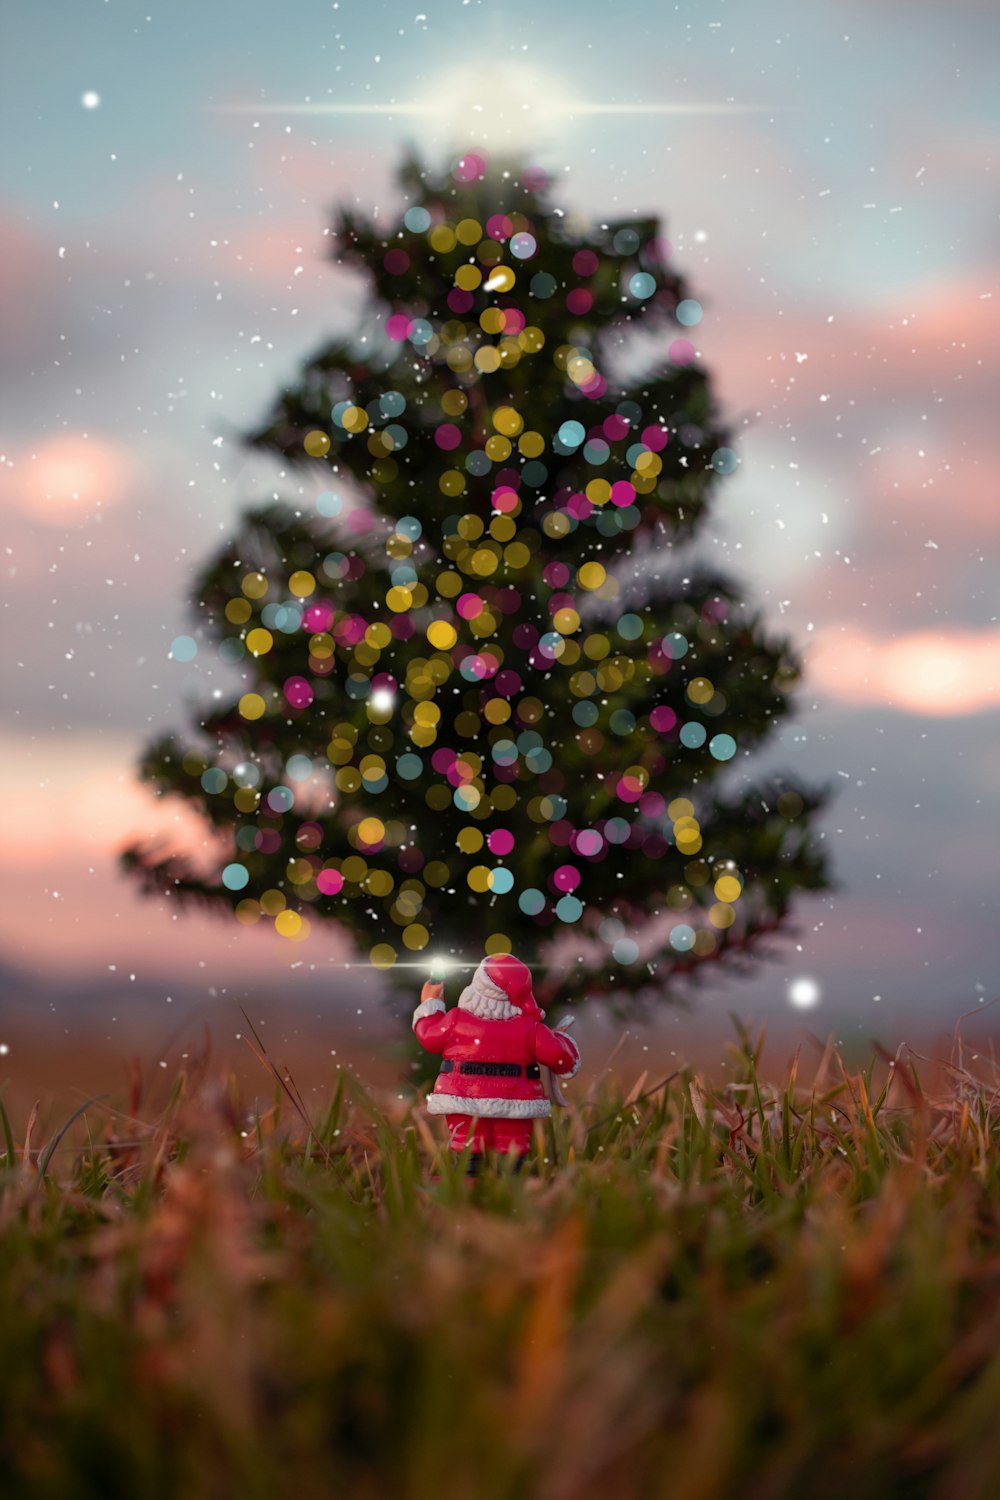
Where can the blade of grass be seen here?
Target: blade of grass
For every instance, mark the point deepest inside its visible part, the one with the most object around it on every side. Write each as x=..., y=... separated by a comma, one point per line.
x=46, y=1156
x=26, y=1149
x=332, y=1121
x=10, y=1157
x=260, y=1052
x=615, y=1113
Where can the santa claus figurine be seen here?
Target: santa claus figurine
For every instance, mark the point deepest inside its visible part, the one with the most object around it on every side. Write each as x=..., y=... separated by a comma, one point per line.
x=494, y=1047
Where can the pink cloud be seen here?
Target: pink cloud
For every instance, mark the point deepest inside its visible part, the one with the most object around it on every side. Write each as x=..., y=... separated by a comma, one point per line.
x=78, y=914
x=66, y=799
x=962, y=154
x=940, y=673
x=941, y=333
x=70, y=806
x=945, y=480
x=285, y=243
x=66, y=477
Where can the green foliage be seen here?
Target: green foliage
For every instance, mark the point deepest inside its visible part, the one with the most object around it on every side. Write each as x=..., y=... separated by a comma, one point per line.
x=485, y=626
x=753, y=1289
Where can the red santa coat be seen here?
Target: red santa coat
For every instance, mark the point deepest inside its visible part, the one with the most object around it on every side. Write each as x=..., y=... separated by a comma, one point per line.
x=512, y=1088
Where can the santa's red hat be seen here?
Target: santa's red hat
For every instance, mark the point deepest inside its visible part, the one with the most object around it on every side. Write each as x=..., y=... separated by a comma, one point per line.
x=514, y=978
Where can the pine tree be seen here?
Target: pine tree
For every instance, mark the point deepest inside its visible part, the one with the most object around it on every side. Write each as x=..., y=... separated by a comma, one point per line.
x=486, y=702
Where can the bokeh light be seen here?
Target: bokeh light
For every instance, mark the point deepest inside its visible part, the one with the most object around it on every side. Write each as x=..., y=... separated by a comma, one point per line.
x=803, y=992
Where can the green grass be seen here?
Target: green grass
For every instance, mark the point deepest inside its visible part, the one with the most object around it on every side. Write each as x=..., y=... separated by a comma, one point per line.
x=753, y=1290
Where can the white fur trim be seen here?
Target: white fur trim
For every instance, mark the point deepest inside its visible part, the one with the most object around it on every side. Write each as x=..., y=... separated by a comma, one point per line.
x=428, y=1008
x=493, y=1109
x=481, y=997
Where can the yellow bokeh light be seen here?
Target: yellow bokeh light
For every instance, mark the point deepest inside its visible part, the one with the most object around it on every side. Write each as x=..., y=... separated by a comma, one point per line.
x=442, y=634
x=566, y=621
x=259, y=641
x=502, y=279
x=287, y=923
x=517, y=555
x=591, y=575
x=371, y=831
x=508, y=421
x=316, y=443
x=452, y=482
x=354, y=419
x=398, y=599
x=252, y=706
x=378, y=635
x=453, y=403
x=379, y=882
x=301, y=584
x=721, y=915
x=470, y=527
x=448, y=584
x=442, y=238
x=728, y=888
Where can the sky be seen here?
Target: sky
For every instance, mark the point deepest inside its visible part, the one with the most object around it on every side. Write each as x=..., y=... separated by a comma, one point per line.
x=825, y=176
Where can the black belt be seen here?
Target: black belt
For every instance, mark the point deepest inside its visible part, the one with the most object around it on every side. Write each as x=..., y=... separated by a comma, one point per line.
x=493, y=1069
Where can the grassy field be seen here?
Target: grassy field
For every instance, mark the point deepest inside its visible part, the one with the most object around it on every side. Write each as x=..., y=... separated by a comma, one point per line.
x=752, y=1289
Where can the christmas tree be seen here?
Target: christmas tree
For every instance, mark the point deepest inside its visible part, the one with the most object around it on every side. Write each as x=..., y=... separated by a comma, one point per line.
x=486, y=705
